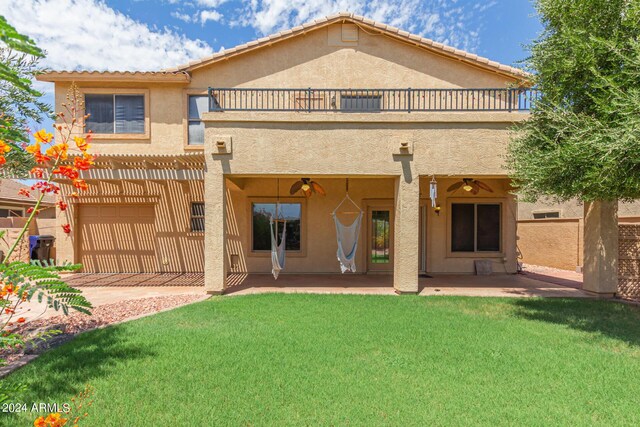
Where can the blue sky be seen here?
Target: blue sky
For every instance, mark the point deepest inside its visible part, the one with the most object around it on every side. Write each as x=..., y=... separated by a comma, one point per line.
x=495, y=29
x=153, y=34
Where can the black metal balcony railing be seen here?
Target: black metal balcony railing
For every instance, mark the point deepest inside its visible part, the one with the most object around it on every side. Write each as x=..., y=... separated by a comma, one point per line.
x=371, y=100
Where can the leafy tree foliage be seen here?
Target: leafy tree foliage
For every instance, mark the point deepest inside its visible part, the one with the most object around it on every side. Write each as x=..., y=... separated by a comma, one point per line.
x=19, y=100
x=583, y=137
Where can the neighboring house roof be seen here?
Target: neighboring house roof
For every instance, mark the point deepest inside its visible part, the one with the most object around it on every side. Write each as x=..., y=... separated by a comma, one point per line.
x=180, y=73
x=9, y=193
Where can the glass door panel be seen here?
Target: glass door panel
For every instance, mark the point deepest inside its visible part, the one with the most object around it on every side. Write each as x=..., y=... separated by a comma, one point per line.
x=380, y=239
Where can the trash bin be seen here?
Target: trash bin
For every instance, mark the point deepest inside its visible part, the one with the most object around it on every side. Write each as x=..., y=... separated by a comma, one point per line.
x=40, y=247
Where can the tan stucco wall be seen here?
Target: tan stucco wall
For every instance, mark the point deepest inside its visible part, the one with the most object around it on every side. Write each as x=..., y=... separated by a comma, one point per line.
x=556, y=243
x=366, y=144
x=178, y=249
x=571, y=209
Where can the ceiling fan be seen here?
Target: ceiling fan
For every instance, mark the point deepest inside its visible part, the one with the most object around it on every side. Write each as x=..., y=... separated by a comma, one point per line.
x=308, y=187
x=470, y=185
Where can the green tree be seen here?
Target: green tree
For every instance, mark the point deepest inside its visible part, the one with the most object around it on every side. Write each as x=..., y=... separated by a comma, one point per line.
x=19, y=100
x=583, y=137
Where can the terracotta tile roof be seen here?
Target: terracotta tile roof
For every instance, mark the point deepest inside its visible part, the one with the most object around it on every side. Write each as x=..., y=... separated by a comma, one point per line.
x=150, y=76
x=362, y=22
x=9, y=192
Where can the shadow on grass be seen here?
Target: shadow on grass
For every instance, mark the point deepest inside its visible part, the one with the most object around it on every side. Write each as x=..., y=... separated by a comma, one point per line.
x=610, y=319
x=64, y=371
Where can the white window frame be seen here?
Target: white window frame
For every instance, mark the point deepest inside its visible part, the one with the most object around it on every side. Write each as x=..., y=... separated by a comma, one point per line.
x=119, y=91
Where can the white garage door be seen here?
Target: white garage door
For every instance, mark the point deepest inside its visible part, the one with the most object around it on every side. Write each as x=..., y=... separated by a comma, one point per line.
x=118, y=238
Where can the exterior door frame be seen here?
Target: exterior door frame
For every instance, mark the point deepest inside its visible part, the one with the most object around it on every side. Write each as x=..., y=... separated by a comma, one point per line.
x=381, y=205
x=424, y=226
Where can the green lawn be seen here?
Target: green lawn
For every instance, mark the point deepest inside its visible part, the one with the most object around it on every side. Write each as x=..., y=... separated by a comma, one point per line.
x=355, y=360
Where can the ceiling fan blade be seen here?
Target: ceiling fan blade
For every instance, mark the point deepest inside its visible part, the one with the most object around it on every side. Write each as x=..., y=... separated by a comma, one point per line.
x=307, y=193
x=455, y=186
x=295, y=187
x=483, y=186
x=318, y=188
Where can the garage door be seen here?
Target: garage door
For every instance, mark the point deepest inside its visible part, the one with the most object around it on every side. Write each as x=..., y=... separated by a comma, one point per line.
x=117, y=238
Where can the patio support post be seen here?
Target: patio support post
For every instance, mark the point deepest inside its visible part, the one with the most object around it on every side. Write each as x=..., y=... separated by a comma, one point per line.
x=600, y=265
x=407, y=234
x=215, y=265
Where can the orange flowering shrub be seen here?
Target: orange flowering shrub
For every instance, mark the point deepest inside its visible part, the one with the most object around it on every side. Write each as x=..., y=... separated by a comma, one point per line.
x=77, y=412
x=20, y=281
x=52, y=420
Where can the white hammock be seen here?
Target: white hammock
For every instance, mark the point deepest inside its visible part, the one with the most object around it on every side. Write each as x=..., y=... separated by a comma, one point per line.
x=347, y=236
x=277, y=251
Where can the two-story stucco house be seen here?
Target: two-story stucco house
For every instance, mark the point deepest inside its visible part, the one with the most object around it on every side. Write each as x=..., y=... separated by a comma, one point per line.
x=195, y=160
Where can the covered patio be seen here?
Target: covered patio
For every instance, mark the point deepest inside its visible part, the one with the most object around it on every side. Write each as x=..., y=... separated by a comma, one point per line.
x=499, y=285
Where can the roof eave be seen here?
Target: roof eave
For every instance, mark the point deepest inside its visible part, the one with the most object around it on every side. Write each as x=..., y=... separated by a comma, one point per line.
x=179, y=77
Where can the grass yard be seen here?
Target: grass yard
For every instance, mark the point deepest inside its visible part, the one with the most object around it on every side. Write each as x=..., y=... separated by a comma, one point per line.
x=354, y=360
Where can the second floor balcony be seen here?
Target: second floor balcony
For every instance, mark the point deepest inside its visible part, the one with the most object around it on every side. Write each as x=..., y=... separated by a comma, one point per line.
x=371, y=100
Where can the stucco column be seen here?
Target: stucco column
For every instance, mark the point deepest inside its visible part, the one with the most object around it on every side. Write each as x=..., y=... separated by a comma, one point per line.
x=601, y=247
x=215, y=265
x=407, y=234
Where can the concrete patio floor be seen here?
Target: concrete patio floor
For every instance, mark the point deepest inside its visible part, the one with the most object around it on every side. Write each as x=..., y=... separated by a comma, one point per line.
x=498, y=285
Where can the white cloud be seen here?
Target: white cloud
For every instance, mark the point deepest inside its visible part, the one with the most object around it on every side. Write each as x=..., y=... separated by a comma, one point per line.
x=184, y=17
x=88, y=34
x=443, y=20
x=210, y=3
x=210, y=15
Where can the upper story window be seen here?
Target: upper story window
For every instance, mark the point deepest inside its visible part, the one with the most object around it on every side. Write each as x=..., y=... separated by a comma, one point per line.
x=198, y=104
x=115, y=113
x=360, y=103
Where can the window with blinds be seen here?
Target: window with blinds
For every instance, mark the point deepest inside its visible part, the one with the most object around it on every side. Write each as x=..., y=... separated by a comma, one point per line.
x=115, y=114
x=198, y=104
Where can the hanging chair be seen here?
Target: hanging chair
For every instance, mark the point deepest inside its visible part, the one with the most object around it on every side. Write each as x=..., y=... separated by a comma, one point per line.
x=347, y=235
x=277, y=251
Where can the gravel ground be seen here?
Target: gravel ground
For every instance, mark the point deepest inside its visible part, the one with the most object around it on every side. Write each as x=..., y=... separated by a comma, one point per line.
x=544, y=270
x=102, y=315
